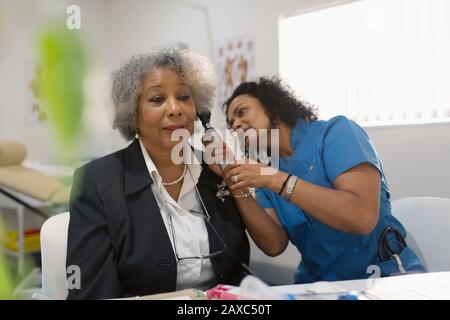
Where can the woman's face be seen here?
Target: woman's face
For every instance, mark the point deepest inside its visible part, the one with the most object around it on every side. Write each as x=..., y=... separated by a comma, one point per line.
x=165, y=105
x=246, y=112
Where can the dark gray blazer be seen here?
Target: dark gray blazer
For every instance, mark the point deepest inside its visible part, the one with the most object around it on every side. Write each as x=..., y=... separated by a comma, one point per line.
x=117, y=236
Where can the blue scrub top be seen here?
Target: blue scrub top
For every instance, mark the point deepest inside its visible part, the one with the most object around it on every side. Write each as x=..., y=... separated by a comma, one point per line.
x=323, y=150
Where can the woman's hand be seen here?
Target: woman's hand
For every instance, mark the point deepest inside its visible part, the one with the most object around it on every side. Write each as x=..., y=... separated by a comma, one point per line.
x=215, y=154
x=251, y=174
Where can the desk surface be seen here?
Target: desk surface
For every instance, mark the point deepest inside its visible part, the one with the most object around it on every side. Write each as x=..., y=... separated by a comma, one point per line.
x=435, y=285
x=414, y=286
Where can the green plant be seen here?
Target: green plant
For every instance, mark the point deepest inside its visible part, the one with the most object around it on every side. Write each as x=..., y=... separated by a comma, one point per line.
x=6, y=285
x=63, y=62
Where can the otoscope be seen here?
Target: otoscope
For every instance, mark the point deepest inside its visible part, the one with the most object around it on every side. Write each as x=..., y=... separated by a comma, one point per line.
x=211, y=134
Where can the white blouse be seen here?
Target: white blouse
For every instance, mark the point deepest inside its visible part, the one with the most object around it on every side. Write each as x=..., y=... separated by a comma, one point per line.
x=189, y=227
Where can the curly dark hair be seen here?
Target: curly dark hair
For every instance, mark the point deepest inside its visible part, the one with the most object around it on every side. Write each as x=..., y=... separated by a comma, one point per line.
x=277, y=99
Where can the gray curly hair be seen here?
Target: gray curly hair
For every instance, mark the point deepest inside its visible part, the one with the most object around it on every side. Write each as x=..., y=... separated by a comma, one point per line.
x=195, y=70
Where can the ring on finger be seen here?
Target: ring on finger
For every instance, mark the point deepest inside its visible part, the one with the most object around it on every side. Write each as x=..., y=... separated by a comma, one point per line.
x=235, y=178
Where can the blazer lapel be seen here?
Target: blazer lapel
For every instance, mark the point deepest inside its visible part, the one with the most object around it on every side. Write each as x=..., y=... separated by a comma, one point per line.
x=137, y=176
x=207, y=186
x=145, y=212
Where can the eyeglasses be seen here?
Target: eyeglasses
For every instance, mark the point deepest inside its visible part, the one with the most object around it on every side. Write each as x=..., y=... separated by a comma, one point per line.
x=208, y=224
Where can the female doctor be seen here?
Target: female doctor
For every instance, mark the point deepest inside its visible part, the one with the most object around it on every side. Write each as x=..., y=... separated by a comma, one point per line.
x=329, y=196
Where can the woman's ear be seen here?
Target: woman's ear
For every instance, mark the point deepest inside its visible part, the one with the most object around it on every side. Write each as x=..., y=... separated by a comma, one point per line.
x=274, y=123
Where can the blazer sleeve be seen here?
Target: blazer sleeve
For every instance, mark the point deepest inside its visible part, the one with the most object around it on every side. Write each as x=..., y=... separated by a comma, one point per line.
x=89, y=243
x=241, y=268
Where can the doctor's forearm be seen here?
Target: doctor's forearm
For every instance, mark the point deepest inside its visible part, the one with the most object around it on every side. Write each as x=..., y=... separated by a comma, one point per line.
x=269, y=236
x=339, y=209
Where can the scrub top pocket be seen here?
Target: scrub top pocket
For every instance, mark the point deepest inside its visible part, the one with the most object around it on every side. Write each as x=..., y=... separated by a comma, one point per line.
x=410, y=262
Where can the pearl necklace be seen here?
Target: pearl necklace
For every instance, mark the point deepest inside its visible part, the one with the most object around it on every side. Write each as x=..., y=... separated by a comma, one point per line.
x=171, y=183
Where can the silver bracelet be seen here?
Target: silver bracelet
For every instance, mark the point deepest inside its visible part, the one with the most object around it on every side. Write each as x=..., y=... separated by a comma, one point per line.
x=289, y=189
x=245, y=195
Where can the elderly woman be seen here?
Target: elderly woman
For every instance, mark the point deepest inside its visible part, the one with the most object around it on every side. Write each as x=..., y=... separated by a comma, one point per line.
x=141, y=222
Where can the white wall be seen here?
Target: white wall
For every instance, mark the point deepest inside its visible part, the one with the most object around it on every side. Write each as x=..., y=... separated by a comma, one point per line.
x=137, y=26
x=416, y=158
x=17, y=36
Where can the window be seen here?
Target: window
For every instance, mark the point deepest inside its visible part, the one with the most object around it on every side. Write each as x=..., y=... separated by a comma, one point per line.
x=376, y=61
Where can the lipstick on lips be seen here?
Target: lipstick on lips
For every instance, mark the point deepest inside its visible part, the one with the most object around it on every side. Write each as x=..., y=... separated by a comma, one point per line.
x=173, y=127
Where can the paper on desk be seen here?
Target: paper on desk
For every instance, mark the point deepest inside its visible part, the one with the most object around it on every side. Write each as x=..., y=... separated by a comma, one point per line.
x=324, y=287
x=187, y=294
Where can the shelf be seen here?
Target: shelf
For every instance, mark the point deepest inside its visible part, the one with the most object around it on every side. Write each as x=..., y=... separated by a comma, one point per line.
x=15, y=254
x=10, y=252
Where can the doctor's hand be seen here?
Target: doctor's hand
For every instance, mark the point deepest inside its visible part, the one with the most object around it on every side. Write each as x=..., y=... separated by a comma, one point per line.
x=251, y=174
x=216, y=153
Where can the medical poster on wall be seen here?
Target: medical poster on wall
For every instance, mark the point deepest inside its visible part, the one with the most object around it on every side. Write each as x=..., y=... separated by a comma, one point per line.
x=36, y=106
x=236, y=63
